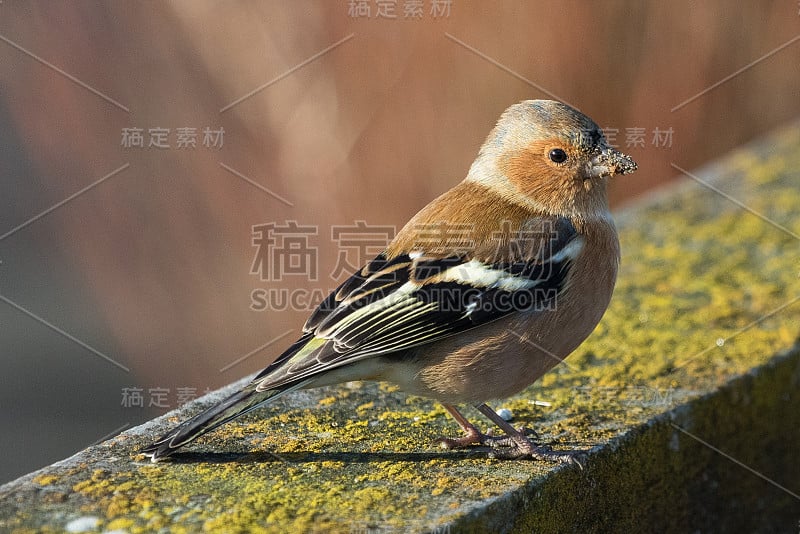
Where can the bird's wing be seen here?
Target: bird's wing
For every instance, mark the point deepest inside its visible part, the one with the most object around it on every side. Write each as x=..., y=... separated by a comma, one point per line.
x=413, y=299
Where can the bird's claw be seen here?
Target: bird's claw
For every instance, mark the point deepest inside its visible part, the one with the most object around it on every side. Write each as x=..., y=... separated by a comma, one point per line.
x=517, y=451
x=512, y=447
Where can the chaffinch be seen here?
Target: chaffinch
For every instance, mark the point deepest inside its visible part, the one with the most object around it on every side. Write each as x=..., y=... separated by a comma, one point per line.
x=483, y=291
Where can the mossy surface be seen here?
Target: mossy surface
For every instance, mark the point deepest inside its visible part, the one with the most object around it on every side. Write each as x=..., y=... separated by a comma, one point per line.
x=708, y=295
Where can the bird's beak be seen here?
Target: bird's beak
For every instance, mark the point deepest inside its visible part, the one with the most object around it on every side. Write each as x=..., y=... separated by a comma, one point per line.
x=610, y=162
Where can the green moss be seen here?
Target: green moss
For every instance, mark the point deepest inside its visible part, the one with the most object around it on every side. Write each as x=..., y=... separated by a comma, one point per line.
x=698, y=302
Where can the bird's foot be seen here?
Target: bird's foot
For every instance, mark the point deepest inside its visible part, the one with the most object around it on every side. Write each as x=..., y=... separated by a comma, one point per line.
x=511, y=447
x=472, y=437
x=520, y=448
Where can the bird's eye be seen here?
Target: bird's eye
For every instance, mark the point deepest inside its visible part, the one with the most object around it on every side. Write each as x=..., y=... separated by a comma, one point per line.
x=557, y=155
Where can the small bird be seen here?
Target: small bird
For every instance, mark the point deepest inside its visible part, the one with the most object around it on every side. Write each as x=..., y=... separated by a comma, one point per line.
x=483, y=291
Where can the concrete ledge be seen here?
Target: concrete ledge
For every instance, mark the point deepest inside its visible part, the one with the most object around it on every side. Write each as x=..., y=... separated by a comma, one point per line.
x=687, y=394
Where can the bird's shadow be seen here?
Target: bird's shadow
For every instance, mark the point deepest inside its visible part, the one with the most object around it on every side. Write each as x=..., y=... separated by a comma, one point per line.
x=302, y=457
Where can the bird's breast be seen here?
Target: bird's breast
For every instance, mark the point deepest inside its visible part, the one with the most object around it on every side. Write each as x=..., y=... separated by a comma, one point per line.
x=501, y=358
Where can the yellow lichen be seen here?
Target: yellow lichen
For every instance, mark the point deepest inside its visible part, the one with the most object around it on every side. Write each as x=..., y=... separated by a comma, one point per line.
x=45, y=480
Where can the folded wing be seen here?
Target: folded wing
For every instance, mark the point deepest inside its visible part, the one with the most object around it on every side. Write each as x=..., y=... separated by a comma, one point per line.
x=413, y=299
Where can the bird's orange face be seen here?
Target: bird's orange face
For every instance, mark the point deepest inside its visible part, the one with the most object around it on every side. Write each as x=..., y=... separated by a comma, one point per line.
x=555, y=156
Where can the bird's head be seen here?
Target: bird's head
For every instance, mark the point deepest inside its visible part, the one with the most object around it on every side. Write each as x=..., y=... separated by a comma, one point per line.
x=551, y=156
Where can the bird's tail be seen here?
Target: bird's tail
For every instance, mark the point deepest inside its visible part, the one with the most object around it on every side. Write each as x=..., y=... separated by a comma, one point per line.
x=232, y=407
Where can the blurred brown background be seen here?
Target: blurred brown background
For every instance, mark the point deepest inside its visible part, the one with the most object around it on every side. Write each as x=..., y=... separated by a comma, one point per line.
x=151, y=267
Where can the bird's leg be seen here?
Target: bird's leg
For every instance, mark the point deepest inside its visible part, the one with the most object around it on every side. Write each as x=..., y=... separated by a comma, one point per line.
x=517, y=445
x=472, y=436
